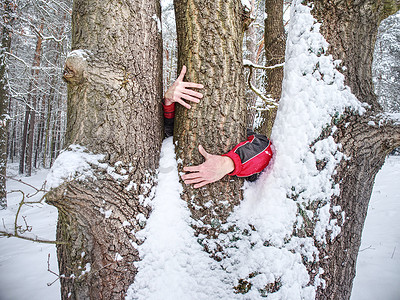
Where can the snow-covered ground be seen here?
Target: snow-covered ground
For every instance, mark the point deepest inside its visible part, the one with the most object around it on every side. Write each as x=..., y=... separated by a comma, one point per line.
x=378, y=264
x=24, y=264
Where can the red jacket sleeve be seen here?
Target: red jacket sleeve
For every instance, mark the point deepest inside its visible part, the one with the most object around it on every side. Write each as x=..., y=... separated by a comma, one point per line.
x=169, y=115
x=252, y=156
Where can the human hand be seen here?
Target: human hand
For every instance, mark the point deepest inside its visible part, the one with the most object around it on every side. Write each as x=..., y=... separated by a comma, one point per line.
x=180, y=91
x=213, y=169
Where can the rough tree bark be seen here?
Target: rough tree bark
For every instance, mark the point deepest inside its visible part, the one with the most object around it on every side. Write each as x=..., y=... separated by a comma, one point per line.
x=350, y=29
x=274, y=44
x=8, y=7
x=114, y=90
x=210, y=45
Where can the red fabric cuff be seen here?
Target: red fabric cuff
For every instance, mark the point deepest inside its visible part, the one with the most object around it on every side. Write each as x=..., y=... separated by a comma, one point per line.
x=169, y=110
x=236, y=161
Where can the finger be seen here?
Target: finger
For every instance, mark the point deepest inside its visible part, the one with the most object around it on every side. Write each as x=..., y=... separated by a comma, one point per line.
x=191, y=176
x=203, y=152
x=191, y=93
x=190, y=98
x=193, y=85
x=183, y=72
x=194, y=181
x=191, y=169
x=183, y=103
x=199, y=185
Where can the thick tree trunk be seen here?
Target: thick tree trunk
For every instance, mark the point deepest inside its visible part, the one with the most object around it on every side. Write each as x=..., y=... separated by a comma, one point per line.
x=275, y=44
x=210, y=45
x=351, y=32
x=114, y=90
x=7, y=20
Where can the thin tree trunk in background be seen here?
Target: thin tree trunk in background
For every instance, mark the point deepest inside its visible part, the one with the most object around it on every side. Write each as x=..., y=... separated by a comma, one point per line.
x=114, y=95
x=39, y=143
x=7, y=20
x=34, y=91
x=274, y=44
x=251, y=47
x=24, y=138
x=47, y=133
x=55, y=133
x=210, y=45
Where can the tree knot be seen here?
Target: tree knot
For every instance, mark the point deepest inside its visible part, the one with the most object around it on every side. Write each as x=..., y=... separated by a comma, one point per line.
x=75, y=69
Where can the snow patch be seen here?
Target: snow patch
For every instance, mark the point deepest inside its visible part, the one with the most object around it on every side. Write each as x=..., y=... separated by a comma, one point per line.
x=73, y=163
x=84, y=54
x=158, y=21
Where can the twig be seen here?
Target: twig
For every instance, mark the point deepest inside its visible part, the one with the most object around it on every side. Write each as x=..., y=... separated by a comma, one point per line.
x=394, y=250
x=20, y=181
x=17, y=228
x=36, y=240
x=54, y=273
x=370, y=247
x=19, y=59
x=270, y=102
x=249, y=64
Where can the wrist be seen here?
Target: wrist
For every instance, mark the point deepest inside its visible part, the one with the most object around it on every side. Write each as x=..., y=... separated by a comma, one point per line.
x=167, y=101
x=228, y=165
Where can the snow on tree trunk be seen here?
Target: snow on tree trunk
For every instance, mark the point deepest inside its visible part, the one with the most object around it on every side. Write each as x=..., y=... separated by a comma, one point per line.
x=365, y=139
x=106, y=178
x=210, y=45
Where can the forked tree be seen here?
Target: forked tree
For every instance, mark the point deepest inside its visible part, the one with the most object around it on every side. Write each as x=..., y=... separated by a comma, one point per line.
x=209, y=42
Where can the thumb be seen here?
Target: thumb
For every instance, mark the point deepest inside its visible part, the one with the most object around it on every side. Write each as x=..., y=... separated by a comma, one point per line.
x=203, y=152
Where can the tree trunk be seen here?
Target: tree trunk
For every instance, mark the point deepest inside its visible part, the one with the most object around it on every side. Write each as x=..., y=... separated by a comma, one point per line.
x=274, y=44
x=114, y=91
x=7, y=21
x=251, y=54
x=210, y=45
x=24, y=139
x=34, y=95
x=363, y=141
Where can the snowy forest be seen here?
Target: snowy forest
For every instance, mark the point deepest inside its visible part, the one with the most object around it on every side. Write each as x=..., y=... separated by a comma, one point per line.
x=87, y=172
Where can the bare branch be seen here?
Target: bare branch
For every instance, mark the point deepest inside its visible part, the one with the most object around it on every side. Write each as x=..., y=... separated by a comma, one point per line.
x=19, y=59
x=18, y=229
x=270, y=102
x=33, y=239
x=20, y=181
x=249, y=64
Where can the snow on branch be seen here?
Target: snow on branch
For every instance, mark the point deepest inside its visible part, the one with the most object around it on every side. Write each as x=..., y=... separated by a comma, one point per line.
x=250, y=64
x=270, y=102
